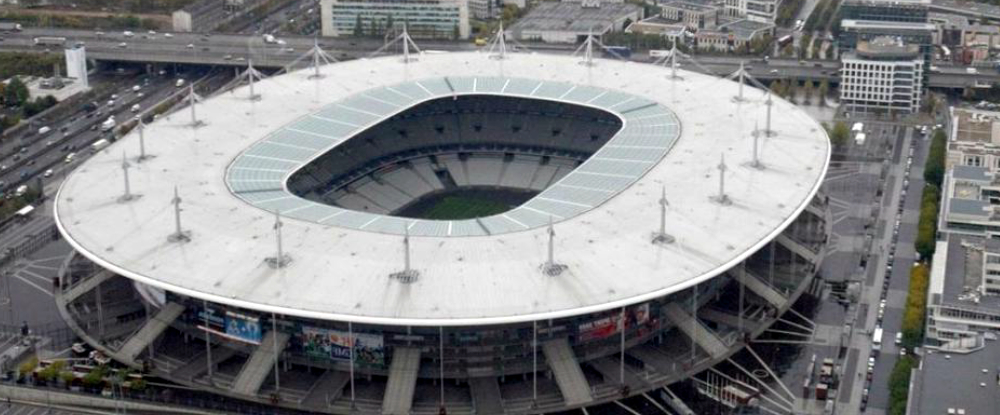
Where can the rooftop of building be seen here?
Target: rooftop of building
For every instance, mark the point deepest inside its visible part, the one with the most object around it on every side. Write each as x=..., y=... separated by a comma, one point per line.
x=744, y=28
x=342, y=259
x=886, y=47
x=852, y=24
x=690, y=6
x=971, y=383
x=890, y=2
x=950, y=20
x=971, y=7
x=963, y=272
x=573, y=17
x=974, y=126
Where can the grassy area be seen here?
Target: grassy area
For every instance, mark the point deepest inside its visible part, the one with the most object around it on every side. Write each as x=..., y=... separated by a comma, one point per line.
x=23, y=63
x=463, y=207
x=106, y=22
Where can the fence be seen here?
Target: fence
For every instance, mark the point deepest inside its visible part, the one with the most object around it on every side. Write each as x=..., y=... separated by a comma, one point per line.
x=33, y=243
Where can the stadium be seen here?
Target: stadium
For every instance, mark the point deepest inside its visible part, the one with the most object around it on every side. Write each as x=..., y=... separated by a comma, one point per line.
x=448, y=232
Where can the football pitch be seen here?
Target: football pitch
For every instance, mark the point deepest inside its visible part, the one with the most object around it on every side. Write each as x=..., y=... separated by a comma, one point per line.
x=463, y=207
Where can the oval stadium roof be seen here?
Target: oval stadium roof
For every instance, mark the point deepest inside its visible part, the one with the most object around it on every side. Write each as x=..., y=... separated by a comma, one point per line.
x=231, y=171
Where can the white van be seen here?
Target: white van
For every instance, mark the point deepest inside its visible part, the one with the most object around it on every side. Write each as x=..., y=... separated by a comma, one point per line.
x=44, y=130
x=180, y=83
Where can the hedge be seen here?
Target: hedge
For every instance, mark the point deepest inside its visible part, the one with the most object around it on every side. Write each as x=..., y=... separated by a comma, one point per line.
x=934, y=167
x=916, y=306
x=927, y=226
x=899, y=384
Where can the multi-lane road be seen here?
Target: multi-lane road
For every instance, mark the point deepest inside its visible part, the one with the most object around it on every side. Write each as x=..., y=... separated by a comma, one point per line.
x=237, y=49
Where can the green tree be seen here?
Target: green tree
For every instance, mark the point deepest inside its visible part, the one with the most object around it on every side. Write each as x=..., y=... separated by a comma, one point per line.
x=455, y=32
x=807, y=92
x=390, y=23
x=934, y=167
x=840, y=134
x=824, y=90
x=16, y=93
x=927, y=225
x=359, y=26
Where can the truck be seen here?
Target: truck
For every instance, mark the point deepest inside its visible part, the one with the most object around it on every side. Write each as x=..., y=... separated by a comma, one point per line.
x=50, y=41
x=877, y=340
x=10, y=27
x=99, y=144
x=108, y=124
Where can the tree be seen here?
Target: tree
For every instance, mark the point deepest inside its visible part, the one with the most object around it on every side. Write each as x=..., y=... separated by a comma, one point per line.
x=390, y=23
x=359, y=27
x=455, y=32
x=824, y=90
x=840, y=134
x=934, y=166
x=807, y=92
x=16, y=93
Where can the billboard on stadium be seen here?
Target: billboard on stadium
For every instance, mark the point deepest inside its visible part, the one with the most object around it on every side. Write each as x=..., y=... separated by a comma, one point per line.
x=369, y=349
x=612, y=324
x=242, y=327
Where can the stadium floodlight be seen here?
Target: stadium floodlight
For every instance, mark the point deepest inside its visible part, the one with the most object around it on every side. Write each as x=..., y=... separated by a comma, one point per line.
x=281, y=259
x=661, y=237
x=722, y=198
x=407, y=43
x=407, y=275
x=551, y=268
x=192, y=100
x=588, y=50
x=142, y=141
x=252, y=75
x=768, y=132
x=742, y=73
x=756, y=139
x=128, y=191
x=499, y=44
x=179, y=235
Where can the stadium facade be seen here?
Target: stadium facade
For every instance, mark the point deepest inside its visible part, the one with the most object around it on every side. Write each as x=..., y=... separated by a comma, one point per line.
x=278, y=248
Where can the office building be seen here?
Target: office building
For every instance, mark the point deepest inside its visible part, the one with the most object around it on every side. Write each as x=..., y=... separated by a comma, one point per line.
x=882, y=75
x=427, y=19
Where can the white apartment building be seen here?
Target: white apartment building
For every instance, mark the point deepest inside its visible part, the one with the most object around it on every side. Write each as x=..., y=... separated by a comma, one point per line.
x=764, y=11
x=490, y=9
x=423, y=18
x=882, y=75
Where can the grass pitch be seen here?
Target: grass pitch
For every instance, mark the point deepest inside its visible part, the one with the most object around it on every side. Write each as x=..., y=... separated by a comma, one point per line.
x=463, y=207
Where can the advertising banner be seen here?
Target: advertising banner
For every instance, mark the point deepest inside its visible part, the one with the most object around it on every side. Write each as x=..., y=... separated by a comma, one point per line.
x=241, y=327
x=612, y=324
x=369, y=349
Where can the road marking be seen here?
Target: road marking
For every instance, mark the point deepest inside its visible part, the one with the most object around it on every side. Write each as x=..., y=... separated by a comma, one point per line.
x=25, y=280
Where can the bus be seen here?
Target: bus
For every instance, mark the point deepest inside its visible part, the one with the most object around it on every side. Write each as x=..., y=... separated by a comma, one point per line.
x=877, y=340
x=50, y=41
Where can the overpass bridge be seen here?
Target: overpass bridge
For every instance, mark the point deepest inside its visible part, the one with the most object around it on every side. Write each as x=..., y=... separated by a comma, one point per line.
x=235, y=50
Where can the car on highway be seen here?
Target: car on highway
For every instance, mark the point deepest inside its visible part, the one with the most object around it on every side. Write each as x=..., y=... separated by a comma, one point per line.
x=128, y=33
x=135, y=108
x=152, y=32
x=168, y=35
x=227, y=57
x=136, y=88
x=48, y=173
x=69, y=157
x=205, y=49
x=122, y=45
x=190, y=46
x=179, y=83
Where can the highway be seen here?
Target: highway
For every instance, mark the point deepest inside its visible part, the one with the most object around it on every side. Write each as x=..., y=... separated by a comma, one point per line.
x=235, y=50
x=31, y=155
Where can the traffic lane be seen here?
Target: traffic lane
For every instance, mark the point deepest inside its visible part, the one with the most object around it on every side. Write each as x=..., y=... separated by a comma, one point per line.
x=42, y=153
x=41, y=143
x=78, y=143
